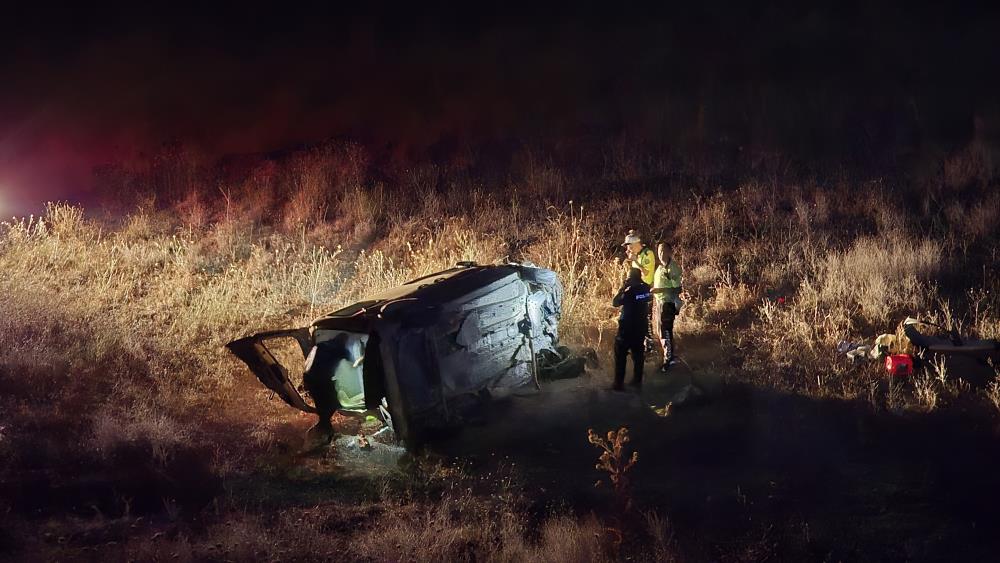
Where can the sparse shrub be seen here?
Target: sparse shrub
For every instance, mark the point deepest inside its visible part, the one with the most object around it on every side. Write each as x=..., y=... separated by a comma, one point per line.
x=360, y=210
x=940, y=367
x=163, y=434
x=926, y=391
x=710, y=222
x=568, y=540
x=615, y=461
x=732, y=296
x=572, y=246
x=881, y=276
x=972, y=165
x=982, y=219
x=895, y=400
x=192, y=210
x=993, y=393
x=257, y=193
x=541, y=178
x=310, y=193
x=65, y=220
x=662, y=537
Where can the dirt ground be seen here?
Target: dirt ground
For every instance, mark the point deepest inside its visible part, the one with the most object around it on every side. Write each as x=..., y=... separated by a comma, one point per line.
x=741, y=473
x=746, y=473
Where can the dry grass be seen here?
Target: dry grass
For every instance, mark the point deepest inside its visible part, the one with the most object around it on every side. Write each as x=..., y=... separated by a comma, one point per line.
x=197, y=284
x=925, y=387
x=457, y=528
x=113, y=332
x=993, y=394
x=881, y=275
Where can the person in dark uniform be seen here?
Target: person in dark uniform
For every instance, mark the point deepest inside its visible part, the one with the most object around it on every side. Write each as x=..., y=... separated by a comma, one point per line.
x=633, y=322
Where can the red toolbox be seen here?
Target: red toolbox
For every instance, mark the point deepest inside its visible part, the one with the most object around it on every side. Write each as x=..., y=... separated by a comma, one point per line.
x=899, y=365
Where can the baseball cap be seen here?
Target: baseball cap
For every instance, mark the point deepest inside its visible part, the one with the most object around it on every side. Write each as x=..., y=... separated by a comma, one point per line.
x=631, y=237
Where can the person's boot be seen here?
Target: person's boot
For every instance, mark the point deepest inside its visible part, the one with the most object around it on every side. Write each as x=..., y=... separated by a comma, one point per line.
x=636, y=382
x=669, y=358
x=319, y=435
x=667, y=353
x=618, y=384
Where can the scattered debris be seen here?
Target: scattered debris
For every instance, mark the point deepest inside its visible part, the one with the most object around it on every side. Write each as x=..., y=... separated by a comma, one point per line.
x=910, y=348
x=368, y=457
x=686, y=395
x=664, y=411
x=857, y=353
x=385, y=436
x=361, y=442
x=562, y=364
x=899, y=365
x=953, y=343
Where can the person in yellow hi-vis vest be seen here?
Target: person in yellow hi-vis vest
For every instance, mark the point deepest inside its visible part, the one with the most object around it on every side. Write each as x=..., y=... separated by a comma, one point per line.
x=642, y=258
x=639, y=256
x=666, y=303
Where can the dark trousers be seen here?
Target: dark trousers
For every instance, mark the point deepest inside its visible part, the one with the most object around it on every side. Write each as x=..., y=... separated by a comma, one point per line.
x=666, y=320
x=648, y=339
x=623, y=345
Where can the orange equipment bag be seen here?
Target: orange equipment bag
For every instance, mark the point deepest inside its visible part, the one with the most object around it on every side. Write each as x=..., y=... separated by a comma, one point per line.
x=899, y=365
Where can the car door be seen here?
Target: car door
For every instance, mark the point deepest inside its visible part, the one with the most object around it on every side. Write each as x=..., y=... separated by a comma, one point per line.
x=253, y=351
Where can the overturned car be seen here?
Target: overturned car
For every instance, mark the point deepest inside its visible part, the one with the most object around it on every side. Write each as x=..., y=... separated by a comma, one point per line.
x=420, y=355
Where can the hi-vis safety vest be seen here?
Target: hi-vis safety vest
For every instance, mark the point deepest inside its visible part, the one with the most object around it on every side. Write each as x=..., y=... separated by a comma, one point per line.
x=646, y=262
x=668, y=277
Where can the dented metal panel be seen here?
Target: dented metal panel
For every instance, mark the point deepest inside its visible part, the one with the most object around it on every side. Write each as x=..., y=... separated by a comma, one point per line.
x=440, y=340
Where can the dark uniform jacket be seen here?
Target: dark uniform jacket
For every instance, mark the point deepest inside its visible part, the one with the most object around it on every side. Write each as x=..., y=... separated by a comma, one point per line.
x=634, y=299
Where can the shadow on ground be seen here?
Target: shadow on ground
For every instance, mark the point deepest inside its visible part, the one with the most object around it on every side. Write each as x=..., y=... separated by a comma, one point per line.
x=742, y=474
x=749, y=474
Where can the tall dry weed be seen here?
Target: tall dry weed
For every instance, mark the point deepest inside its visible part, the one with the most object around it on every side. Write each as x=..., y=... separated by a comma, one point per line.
x=572, y=246
x=882, y=276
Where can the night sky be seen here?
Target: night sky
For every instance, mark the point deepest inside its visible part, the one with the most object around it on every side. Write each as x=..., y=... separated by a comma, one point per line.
x=82, y=87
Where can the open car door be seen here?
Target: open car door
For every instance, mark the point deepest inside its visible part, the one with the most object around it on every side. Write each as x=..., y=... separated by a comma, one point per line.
x=252, y=351
x=953, y=344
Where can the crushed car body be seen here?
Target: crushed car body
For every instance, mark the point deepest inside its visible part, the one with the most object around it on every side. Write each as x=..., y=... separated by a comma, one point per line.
x=418, y=356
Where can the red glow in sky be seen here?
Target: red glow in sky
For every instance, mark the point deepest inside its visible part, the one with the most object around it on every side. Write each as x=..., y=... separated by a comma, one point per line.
x=80, y=88
x=43, y=161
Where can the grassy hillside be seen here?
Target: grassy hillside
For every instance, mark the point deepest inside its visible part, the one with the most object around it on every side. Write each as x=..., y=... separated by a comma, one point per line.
x=118, y=400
